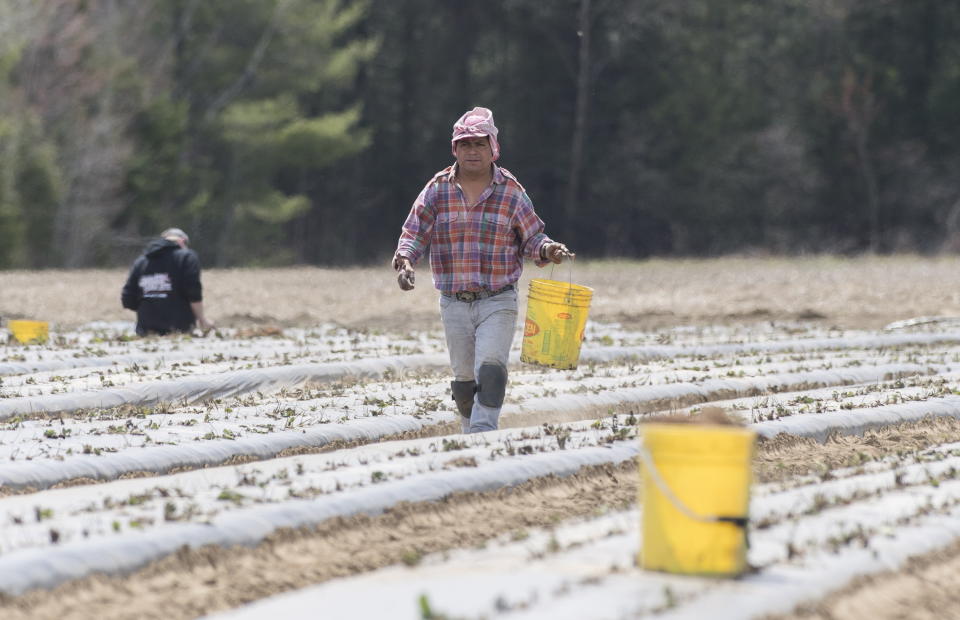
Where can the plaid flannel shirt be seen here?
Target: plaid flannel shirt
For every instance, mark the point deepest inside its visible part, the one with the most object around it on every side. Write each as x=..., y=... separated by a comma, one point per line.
x=473, y=247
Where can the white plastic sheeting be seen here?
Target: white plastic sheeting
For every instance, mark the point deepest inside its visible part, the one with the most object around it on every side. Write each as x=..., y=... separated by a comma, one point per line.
x=495, y=582
x=877, y=341
x=51, y=359
x=576, y=581
x=780, y=588
x=819, y=426
x=88, y=348
x=222, y=385
x=45, y=567
x=77, y=512
x=243, y=381
x=160, y=459
x=73, y=359
x=712, y=389
x=772, y=505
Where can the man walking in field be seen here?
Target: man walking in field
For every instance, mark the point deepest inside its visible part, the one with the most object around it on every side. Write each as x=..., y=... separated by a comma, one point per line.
x=479, y=224
x=164, y=287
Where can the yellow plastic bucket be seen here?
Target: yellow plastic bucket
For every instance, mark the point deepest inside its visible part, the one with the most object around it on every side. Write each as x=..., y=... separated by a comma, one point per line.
x=556, y=318
x=695, y=495
x=29, y=331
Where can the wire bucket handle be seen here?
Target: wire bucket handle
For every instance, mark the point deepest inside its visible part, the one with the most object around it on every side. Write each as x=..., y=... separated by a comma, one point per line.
x=570, y=260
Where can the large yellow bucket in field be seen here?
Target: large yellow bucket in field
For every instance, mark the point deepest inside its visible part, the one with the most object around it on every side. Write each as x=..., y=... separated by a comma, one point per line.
x=29, y=331
x=556, y=318
x=695, y=495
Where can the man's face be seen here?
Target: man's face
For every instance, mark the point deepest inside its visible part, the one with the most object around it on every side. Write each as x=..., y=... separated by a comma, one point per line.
x=474, y=154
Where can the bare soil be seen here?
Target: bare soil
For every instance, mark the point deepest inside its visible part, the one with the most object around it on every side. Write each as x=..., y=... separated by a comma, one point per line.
x=196, y=582
x=862, y=292
x=787, y=456
x=927, y=588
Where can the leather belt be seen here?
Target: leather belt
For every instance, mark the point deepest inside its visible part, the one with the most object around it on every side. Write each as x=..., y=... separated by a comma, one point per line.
x=475, y=295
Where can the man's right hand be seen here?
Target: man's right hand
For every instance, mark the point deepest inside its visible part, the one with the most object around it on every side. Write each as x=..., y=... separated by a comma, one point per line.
x=405, y=273
x=203, y=323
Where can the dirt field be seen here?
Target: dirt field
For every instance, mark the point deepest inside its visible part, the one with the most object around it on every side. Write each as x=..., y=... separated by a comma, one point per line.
x=861, y=293
x=865, y=292
x=192, y=583
x=925, y=590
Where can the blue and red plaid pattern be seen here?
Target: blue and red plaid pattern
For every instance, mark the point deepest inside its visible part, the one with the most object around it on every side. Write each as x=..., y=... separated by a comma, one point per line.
x=473, y=247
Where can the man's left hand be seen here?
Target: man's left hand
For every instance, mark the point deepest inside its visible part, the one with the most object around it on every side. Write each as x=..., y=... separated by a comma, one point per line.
x=555, y=252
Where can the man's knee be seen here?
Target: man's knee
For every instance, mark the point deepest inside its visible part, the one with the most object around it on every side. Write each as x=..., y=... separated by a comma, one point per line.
x=463, y=392
x=492, y=380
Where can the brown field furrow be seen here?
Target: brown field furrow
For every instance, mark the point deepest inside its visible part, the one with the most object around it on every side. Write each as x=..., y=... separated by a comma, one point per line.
x=785, y=457
x=927, y=588
x=195, y=582
x=861, y=292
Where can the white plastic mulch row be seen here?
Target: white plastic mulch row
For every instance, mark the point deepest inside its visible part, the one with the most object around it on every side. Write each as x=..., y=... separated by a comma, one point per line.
x=856, y=421
x=99, y=430
x=47, y=564
x=586, y=570
x=244, y=381
x=87, y=349
x=147, y=353
x=42, y=473
x=46, y=567
x=199, y=495
x=256, y=413
x=140, y=502
x=867, y=341
x=774, y=406
x=223, y=385
x=95, y=346
x=359, y=463
x=868, y=533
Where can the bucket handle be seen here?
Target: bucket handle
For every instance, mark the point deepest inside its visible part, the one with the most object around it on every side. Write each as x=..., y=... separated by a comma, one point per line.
x=677, y=502
x=569, y=296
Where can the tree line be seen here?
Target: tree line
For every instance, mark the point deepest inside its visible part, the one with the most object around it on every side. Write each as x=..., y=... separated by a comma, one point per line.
x=299, y=131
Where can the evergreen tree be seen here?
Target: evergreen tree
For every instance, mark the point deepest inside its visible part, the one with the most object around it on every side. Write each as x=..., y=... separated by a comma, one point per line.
x=259, y=105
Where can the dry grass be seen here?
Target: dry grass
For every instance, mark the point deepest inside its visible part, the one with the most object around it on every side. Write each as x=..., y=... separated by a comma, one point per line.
x=863, y=292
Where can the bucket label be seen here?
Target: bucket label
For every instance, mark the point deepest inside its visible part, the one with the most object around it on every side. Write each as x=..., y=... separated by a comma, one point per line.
x=530, y=328
x=564, y=315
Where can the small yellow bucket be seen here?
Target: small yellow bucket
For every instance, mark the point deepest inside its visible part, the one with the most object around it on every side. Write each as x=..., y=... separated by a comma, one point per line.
x=556, y=318
x=27, y=332
x=695, y=495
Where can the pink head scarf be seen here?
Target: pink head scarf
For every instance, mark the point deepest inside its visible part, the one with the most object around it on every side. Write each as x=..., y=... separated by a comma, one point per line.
x=476, y=123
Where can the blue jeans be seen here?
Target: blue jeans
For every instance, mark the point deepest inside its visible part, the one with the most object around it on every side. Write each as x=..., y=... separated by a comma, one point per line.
x=477, y=332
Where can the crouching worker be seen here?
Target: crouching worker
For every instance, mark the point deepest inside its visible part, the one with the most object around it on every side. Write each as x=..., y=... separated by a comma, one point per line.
x=479, y=224
x=164, y=287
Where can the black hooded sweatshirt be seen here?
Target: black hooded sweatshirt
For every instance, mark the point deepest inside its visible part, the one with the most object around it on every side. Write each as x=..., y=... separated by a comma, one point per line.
x=161, y=285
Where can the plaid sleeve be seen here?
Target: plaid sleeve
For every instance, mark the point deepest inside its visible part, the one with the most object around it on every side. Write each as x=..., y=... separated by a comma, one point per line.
x=529, y=228
x=415, y=235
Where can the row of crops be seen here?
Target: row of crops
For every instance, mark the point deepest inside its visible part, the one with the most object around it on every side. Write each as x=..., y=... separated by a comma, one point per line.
x=120, y=452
